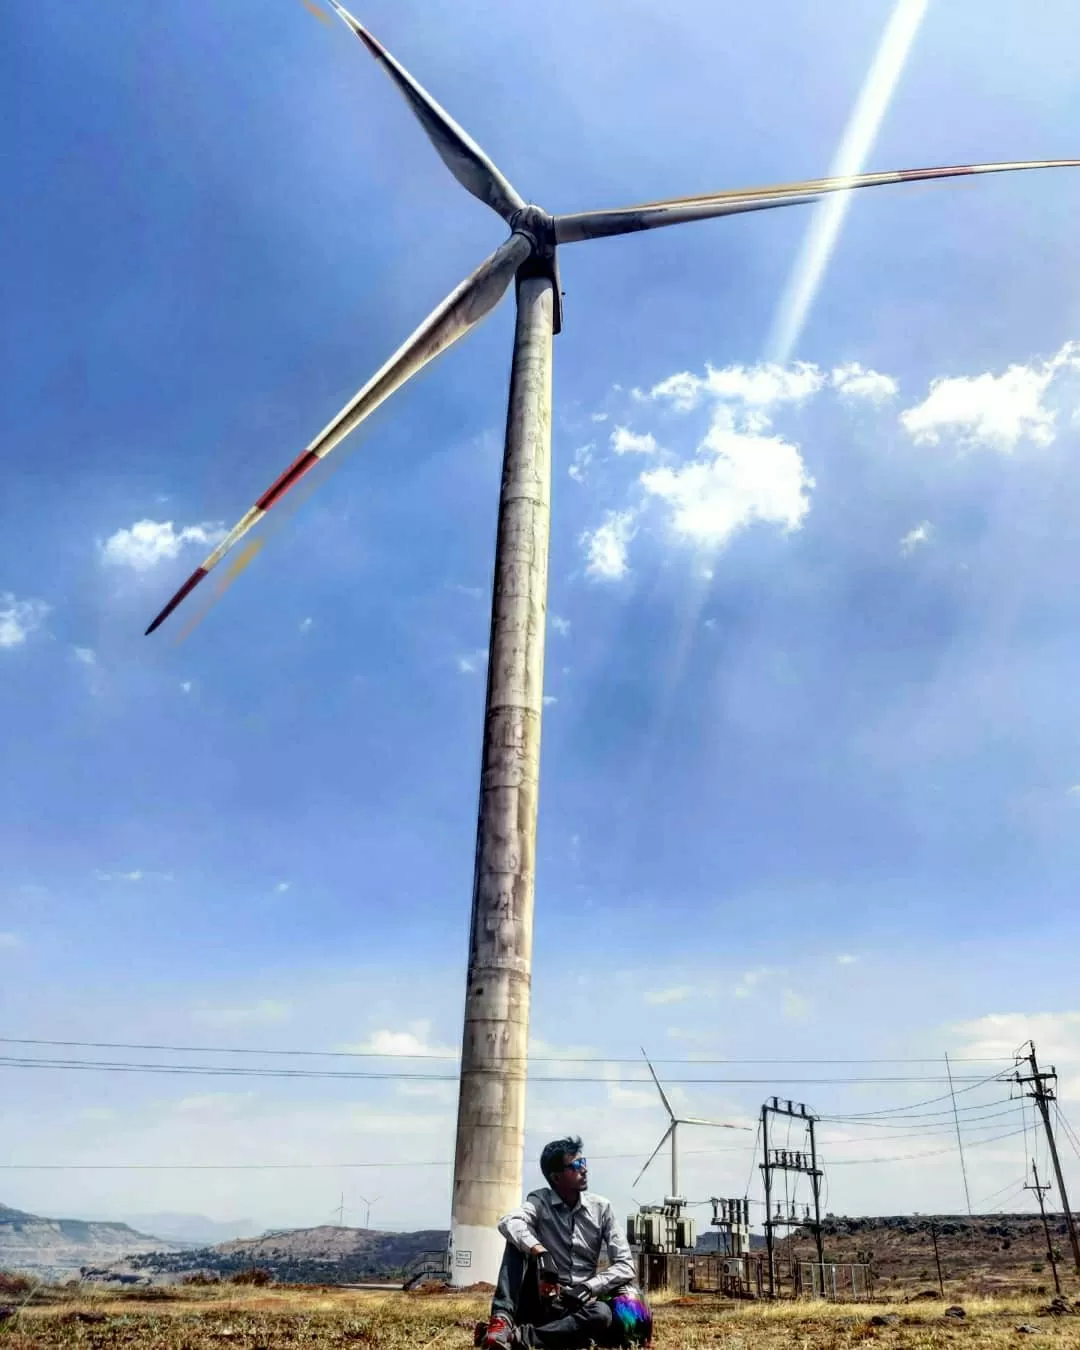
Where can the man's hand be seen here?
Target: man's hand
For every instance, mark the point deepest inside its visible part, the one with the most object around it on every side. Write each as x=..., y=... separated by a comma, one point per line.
x=547, y=1272
x=577, y=1296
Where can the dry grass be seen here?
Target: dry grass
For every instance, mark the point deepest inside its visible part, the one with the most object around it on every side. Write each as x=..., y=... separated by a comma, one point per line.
x=231, y=1318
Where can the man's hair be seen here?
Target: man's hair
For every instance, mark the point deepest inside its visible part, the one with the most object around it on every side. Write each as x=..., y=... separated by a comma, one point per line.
x=555, y=1154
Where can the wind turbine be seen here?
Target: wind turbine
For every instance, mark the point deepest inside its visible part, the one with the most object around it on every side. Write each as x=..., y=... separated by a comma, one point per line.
x=672, y=1133
x=368, y=1203
x=491, y=1105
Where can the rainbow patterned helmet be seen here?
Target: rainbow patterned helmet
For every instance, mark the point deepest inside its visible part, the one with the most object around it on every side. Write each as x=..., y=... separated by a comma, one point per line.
x=630, y=1316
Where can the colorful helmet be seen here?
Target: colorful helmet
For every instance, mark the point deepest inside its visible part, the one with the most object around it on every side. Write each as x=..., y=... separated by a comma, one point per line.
x=631, y=1317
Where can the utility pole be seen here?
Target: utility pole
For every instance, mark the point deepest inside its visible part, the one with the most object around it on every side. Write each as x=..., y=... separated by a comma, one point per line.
x=766, y=1172
x=341, y=1211
x=1043, y=1096
x=937, y=1257
x=790, y=1160
x=491, y=1104
x=1039, y=1191
x=815, y=1184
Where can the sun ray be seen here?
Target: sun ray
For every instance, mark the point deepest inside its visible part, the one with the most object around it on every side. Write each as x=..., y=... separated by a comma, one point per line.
x=856, y=145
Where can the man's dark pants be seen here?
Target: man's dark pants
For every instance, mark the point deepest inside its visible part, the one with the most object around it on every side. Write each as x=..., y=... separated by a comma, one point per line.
x=517, y=1296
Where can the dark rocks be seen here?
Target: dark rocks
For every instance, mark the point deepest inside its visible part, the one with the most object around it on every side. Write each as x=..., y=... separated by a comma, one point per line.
x=1026, y=1329
x=956, y=1312
x=884, y=1320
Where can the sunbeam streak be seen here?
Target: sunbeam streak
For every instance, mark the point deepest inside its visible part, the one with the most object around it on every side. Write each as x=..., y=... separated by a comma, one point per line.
x=856, y=145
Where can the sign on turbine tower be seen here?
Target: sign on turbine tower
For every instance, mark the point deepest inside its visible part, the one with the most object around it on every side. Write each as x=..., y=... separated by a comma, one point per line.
x=491, y=1108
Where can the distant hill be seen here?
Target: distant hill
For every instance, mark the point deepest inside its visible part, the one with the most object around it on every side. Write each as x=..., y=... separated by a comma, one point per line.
x=987, y=1253
x=323, y=1255
x=193, y=1229
x=57, y=1248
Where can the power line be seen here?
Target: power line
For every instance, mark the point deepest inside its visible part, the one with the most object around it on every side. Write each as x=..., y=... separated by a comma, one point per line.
x=1070, y=1133
x=906, y=1157
x=453, y=1055
x=959, y=1137
x=929, y=1101
x=234, y=1071
x=935, y=1126
x=1009, y=1186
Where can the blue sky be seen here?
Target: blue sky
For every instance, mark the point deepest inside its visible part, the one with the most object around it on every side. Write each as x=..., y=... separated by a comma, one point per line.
x=811, y=660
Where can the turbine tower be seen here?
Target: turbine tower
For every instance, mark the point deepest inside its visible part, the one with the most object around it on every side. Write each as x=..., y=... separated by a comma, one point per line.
x=491, y=1105
x=672, y=1133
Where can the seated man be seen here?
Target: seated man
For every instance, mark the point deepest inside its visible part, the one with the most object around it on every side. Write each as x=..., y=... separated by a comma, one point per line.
x=550, y=1292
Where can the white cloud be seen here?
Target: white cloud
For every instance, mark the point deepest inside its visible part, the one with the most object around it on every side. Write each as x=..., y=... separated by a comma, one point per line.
x=919, y=535
x=149, y=542
x=996, y=411
x=598, y=417
x=606, y=546
x=683, y=391
x=761, y=387
x=266, y=1012
x=414, y=1041
x=853, y=381
x=766, y=384
x=627, y=442
x=1074, y=791
x=282, y=887
x=135, y=875
x=679, y=994
x=85, y=656
x=185, y=686
x=10, y=942
x=750, y=980
x=1001, y=1035
x=581, y=461
x=740, y=476
x=549, y=699
x=19, y=618
x=561, y=626
x=215, y=1103
x=471, y=662
x=305, y=625
x=796, y=1007
x=846, y=959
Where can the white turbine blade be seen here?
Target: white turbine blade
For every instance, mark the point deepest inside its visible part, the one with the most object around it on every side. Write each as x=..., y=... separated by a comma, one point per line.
x=663, y=1096
x=457, y=149
x=461, y=310
x=717, y=1124
x=652, y=1155
x=679, y=210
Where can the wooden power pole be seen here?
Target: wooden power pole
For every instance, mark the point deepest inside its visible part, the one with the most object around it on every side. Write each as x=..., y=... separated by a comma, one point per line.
x=937, y=1257
x=1039, y=1192
x=1043, y=1095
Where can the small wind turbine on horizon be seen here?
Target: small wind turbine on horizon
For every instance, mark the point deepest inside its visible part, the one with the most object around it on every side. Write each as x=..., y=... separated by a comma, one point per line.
x=491, y=1105
x=672, y=1133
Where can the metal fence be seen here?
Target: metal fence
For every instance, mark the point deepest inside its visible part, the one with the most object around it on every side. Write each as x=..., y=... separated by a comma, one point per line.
x=748, y=1276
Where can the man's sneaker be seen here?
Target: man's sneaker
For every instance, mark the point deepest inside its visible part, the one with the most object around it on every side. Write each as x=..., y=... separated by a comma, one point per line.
x=497, y=1335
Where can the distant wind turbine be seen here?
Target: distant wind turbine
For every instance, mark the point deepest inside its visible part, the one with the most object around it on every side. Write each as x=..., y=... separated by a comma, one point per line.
x=491, y=1103
x=672, y=1133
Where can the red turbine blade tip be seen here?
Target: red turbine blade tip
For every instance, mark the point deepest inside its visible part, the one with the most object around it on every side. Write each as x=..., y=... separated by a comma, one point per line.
x=307, y=459
x=184, y=591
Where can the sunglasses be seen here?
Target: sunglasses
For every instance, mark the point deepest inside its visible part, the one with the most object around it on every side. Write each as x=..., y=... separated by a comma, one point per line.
x=578, y=1165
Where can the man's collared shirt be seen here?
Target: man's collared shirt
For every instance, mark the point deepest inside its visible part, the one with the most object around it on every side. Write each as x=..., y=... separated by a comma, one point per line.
x=574, y=1237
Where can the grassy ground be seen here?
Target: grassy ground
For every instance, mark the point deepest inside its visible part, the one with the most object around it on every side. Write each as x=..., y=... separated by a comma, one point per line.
x=291, y=1319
